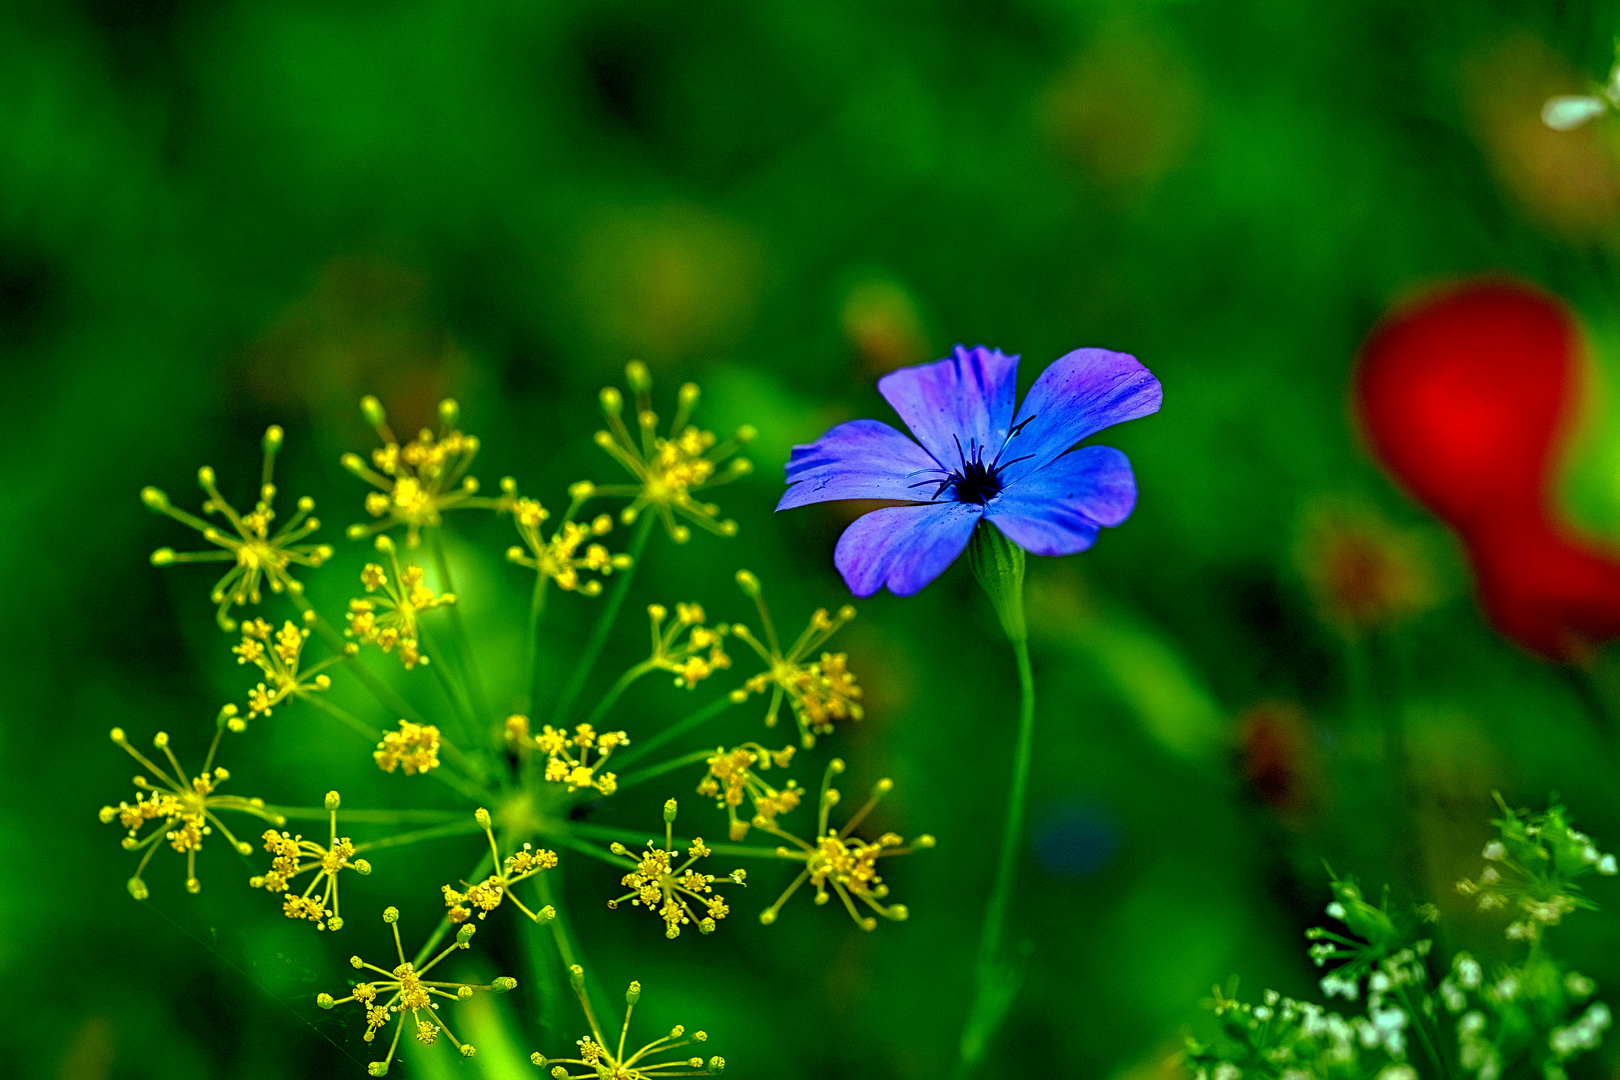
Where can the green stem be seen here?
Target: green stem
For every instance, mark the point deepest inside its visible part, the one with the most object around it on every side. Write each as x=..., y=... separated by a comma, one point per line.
x=637, y=751
x=366, y=817
x=348, y=719
x=669, y=766
x=630, y=837
x=995, y=914
x=465, y=658
x=996, y=980
x=604, y=623
x=451, y=828
x=459, y=707
x=537, y=610
x=617, y=690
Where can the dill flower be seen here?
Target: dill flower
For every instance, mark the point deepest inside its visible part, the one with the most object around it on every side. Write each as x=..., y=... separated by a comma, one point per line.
x=261, y=556
x=389, y=621
x=487, y=895
x=819, y=692
x=417, y=482
x=568, y=756
x=848, y=866
x=732, y=777
x=599, y=1059
x=658, y=884
x=558, y=557
x=278, y=658
x=184, y=807
x=693, y=660
x=1532, y=869
x=289, y=853
x=403, y=989
x=668, y=470
x=414, y=746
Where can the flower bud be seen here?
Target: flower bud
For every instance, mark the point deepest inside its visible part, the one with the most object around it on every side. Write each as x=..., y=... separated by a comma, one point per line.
x=372, y=410
x=154, y=498
x=482, y=817
x=503, y=984
x=669, y=811
x=390, y=914
x=332, y=800
x=449, y=412
x=325, y=1001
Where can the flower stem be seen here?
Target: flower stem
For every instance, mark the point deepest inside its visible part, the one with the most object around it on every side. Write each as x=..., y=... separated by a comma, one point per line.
x=450, y=828
x=604, y=623
x=466, y=661
x=637, y=751
x=617, y=690
x=671, y=765
x=999, y=566
x=537, y=611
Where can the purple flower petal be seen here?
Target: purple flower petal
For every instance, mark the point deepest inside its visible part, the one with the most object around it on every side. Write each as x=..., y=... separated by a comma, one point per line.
x=863, y=459
x=904, y=547
x=1058, y=510
x=1079, y=394
x=966, y=398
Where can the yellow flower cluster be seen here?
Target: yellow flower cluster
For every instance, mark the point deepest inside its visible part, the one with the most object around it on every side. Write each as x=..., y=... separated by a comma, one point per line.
x=700, y=655
x=558, y=557
x=185, y=807
x=848, y=866
x=405, y=989
x=668, y=470
x=261, y=556
x=599, y=1060
x=389, y=621
x=487, y=895
x=568, y=755
x=288, y=861
x=417, y=482
x=733, y=776
x=820, y=692
x=414, y=746
x=278, y=658
x=659, y=885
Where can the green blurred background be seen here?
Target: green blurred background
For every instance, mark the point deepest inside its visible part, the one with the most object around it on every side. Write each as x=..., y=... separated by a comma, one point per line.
x=218, y=216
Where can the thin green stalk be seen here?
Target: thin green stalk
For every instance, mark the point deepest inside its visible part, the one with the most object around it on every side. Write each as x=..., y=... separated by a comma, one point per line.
x=999, y=566
x=366, y=817
x=465, y=659
x=671, y=765
x=348, y=719
x=604, y=622
x=995, y=914
x=461, y=708
x=450, y=828
x=531, y=667
x=617, y=690
x=560, y=830
x=637, y=751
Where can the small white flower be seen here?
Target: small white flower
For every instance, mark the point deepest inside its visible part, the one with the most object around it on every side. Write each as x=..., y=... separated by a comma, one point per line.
x=1606, y=865
x=1495, y=851
x=1336, y=910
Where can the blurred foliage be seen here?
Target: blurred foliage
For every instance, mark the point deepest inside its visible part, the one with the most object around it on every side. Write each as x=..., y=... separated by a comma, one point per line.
x=217, y=216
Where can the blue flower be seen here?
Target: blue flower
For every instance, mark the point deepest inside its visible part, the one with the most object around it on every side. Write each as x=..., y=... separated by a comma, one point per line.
x=974, y=460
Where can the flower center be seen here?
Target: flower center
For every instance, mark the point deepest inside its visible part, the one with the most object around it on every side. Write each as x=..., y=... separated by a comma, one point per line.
x=975, y=481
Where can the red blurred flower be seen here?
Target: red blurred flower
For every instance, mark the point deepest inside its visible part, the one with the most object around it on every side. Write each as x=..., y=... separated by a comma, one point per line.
x=1466, y=397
